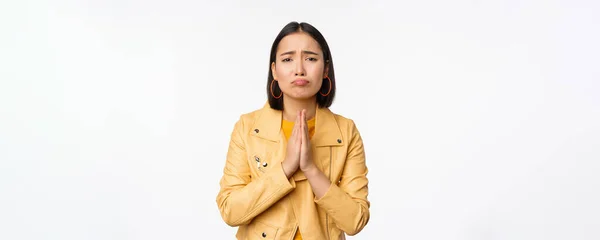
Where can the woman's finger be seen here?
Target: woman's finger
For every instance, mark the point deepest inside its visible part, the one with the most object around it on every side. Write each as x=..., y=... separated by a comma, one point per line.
x=301, y=117
x=301, y=126
x=298, y=123
x=305, y=130
x=298, y=140
x=295, y=128
x=305, y=122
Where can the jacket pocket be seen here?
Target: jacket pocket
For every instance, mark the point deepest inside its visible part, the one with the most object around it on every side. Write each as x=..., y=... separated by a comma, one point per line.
x=260, y=230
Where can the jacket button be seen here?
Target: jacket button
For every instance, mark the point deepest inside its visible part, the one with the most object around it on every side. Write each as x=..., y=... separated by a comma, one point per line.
x=256, y=130
x=265, y=164
x=264, y=235
x=339, y=140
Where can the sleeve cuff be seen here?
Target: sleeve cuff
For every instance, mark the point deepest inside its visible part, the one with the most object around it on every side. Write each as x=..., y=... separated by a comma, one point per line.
x=279, y=177
x=331, y=197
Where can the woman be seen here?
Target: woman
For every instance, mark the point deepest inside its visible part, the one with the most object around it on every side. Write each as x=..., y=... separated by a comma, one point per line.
x=294, y=169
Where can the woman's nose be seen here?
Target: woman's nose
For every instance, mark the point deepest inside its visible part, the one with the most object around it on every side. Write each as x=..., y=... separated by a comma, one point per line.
x=299, y=69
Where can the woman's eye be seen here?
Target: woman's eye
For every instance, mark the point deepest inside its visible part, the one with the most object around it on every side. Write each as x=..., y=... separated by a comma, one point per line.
x=286, y=60
x=312, y=59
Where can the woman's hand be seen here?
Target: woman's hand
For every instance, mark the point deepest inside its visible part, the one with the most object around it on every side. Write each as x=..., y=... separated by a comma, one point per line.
x=292, y=155
x=306, y=157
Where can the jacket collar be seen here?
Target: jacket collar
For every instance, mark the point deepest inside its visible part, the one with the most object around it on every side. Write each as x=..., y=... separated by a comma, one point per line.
x=268, y=126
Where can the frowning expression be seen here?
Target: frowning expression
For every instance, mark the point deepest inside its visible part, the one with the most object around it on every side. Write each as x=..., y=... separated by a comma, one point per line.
x=299, y=67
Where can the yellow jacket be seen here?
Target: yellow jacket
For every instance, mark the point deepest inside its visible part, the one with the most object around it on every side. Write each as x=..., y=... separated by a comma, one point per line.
x=256, y=195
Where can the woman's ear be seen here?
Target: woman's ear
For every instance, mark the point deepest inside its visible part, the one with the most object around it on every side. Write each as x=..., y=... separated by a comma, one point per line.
x=273, y=72
x=326, y=70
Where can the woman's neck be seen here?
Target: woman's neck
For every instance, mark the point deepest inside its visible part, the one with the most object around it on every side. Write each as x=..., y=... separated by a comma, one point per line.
x=292, y=106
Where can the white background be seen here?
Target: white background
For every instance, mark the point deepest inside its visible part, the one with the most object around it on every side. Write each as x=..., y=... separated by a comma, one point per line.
x=481, y=120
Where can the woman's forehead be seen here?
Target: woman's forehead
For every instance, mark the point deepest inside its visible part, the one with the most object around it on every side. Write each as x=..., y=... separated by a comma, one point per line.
x=298, y=42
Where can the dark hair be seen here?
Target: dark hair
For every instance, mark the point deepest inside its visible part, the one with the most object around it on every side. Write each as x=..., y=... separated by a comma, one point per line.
x=292, y=27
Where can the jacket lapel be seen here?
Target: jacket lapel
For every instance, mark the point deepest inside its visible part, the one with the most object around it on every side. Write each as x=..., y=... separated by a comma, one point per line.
x=327, y=131
x=267, y=124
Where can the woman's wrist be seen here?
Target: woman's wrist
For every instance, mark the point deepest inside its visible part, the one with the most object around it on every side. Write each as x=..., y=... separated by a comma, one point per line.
x=310, y=169
x=288, y=169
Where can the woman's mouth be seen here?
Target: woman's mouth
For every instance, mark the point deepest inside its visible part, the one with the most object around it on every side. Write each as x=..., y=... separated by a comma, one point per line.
x=300, y=82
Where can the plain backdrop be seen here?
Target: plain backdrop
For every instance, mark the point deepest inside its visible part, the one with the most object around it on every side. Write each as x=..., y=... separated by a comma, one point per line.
x=481, y=119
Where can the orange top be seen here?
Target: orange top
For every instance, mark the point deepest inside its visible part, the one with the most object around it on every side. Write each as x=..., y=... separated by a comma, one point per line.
x=287, y=127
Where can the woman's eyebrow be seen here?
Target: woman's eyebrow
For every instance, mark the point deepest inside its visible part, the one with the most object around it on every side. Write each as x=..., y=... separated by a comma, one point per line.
x=304, y=51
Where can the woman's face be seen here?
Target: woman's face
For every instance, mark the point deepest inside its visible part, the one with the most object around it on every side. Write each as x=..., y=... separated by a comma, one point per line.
x=299, y=67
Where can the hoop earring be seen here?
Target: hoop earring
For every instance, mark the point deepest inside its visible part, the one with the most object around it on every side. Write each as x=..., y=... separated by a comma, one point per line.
x=326, y=94
x=272, y=94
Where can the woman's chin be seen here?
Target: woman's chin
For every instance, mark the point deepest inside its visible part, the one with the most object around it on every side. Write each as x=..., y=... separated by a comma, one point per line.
x=302, y=96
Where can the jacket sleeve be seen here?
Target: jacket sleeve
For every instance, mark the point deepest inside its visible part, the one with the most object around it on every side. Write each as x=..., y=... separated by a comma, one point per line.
x=241, y=197
x=347, y=202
